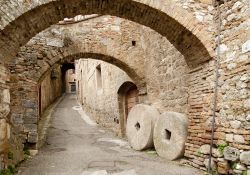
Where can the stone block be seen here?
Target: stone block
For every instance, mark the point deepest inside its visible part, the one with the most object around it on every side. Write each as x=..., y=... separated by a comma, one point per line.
x=237, y=172
x=210, y=2
x=223, y=167
x=205, y=149
x=245, y=157
x=29, y=104
x=229, y=137
x=247, y=104
x=56, y=42
x=16, y=118
x=6, y=96
x=32, y=137
x=235, y=124
x=248, y=118
x=239, y=139
x=30, y=127
x=231, y=153
x=213, y=164
x=217, y=153
x=30, y=120
x=33, y=152
x=240, y=166
x=246, y=46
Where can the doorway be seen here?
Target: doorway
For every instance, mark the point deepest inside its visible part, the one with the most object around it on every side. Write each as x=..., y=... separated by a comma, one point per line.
x=128, y=97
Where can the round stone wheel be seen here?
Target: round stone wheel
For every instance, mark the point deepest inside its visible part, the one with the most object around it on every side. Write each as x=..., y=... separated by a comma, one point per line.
x=140, y=126
x=170, y=135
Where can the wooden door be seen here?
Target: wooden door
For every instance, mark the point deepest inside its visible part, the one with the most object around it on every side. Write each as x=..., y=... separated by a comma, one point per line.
x=131, y=99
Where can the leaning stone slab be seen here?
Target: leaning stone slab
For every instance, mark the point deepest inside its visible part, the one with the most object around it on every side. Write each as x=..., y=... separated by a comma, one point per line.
x=140, y=126
x=170, y=135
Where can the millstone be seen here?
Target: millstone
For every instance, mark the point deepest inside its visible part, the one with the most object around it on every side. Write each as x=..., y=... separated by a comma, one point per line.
x=140, y=126
x=170, y=135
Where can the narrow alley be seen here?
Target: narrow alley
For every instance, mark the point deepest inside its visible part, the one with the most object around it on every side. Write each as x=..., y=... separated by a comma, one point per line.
x=124, y=87
x=74, y=147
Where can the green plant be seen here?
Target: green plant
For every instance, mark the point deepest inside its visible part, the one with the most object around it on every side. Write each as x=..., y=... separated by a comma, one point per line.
x=9, y=171
x=244, y=172
x=199, y=152
x=213, y=172
x=10, y=155
x=221, y=147
x=233, y=165
x=26, y=153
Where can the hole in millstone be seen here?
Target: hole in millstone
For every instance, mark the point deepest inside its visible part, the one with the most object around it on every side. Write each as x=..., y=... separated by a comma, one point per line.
x=167, y=134
x=137, y=126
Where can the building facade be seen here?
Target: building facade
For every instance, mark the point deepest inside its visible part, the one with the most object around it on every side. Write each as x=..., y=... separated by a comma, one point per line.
x=99, y=91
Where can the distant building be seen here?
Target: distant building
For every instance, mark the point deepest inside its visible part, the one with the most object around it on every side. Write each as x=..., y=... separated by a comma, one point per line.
x=70, y=81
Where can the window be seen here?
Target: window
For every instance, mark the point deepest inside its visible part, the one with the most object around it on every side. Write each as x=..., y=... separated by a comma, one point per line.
x=99, y=77
x=133, y=43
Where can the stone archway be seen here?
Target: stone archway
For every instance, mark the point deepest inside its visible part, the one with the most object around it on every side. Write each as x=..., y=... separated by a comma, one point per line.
x=119, y=51
x=20, y=87
x=165, y=17
x=182, y=39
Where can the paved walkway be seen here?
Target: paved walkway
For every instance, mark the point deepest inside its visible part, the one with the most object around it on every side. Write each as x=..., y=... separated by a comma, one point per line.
x=76, y=146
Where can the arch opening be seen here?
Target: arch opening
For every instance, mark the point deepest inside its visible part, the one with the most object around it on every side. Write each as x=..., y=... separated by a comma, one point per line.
x=175, y=29
x=128, y=97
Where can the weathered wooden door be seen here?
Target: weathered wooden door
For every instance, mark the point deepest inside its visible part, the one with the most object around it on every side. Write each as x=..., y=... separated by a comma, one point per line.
x=131, y=99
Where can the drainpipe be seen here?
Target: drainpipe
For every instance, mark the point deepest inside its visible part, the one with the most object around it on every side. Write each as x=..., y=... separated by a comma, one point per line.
x=217, y=75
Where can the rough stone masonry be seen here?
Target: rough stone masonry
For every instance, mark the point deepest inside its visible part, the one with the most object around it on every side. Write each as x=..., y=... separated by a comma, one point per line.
x=172, y=69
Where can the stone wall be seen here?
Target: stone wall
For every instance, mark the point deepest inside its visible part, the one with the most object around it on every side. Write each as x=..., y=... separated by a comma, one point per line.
x=100, y=102
x=24, y=103
x=169, y=78
x=50, y=88
x=232, y=117
x=165, y=69
x=4, y=117
x=186, y=24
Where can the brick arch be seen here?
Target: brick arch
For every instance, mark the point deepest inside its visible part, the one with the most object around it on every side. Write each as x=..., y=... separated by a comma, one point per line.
x=165, y=17
x=93, y=50
x=63, y=56
x=138, y=79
